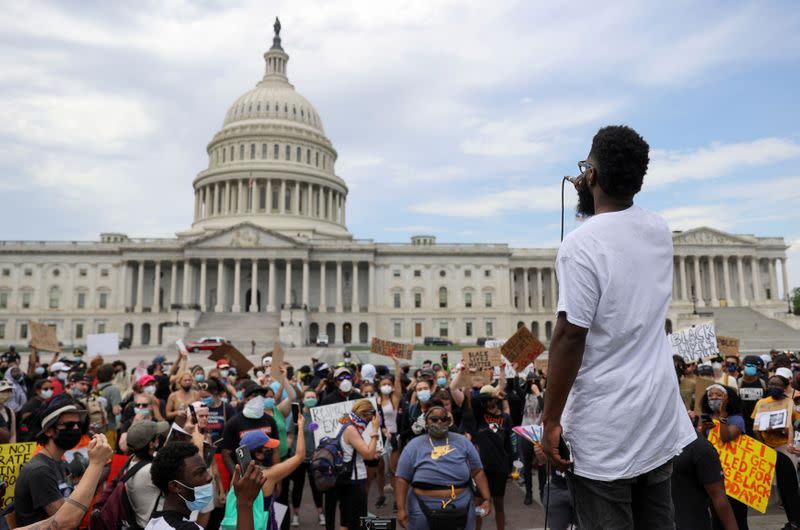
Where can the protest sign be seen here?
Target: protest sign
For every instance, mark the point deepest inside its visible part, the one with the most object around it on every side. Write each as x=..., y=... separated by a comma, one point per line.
x=748, y=466
x=773, y=415
x=102, y=344
x=277, y=356
x=700, y=387
x=696, y=343
x=389, y=348
x=43, y=337
x=12, y=456
x=325, y=420
x=522, y=349
x=728, y=346
x=234, y=356
x=181, y=346
x=481, y=358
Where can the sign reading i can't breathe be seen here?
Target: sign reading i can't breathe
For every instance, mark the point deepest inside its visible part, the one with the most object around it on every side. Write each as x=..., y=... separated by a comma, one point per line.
x=695, y=343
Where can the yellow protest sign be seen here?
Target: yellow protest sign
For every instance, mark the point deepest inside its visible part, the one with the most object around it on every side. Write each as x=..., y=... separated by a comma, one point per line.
x=748, y=466
x=12, y=456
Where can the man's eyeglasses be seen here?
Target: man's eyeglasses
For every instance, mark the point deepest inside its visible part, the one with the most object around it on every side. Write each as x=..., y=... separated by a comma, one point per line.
x=68, y=425
x=584, y=166
x=438, y=419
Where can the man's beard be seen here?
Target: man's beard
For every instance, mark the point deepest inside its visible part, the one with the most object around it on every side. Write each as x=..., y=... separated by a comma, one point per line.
x=585, y=207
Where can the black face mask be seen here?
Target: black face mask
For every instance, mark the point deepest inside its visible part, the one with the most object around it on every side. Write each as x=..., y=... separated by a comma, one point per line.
x=585, y=200
x=68, y=438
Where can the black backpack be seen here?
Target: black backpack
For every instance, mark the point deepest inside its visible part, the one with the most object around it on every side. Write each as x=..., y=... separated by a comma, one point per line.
x=113, y=509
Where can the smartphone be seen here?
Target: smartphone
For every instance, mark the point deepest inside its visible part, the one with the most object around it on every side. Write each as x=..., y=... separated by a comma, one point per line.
x=193, y=413
x=564, y=449
x=243, y=457
x=706, y=418
x=295, y=411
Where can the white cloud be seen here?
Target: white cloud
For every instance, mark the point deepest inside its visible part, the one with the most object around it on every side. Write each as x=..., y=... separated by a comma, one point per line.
x=539, y=199
x=688, y=217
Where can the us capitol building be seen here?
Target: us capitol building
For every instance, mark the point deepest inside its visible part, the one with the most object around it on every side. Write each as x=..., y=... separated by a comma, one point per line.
x=269, y=256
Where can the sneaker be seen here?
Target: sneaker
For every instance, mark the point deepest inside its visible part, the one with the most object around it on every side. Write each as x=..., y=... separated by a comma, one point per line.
x=381, y=502
x=322, y=519
x=295, y=521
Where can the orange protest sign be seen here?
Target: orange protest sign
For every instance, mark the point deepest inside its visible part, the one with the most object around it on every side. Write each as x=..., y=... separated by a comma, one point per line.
x=748, y=466
x=389, y=348
x=234, y=356
x=522, y=349
x=481, y=358
x=43, y=337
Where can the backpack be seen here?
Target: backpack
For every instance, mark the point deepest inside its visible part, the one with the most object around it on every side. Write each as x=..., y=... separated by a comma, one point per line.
x=113, y=509
x=328, y=468
x=98, y=419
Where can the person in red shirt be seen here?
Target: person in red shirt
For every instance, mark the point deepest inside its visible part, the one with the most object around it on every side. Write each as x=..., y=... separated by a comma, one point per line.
x=58, y=378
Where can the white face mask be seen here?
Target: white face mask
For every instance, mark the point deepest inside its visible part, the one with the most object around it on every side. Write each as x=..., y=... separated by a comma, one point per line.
x=254, y=408
x=386, y=389
x=223, y=373
x=61, y=376
x=346, y=386
x=46, y=394
x=150, y=389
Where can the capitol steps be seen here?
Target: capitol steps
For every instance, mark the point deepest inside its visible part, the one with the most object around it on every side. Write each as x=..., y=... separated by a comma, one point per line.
x=239, y=328
x=755, y=331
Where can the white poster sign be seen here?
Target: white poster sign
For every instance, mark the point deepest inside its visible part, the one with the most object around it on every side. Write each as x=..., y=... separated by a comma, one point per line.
x=696, y=343
x=102, y=344
x=325, y=421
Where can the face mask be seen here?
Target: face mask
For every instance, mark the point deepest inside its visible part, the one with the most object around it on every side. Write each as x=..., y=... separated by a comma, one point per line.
x=269, y=403
x=202, y=496
x=731, y=368
x=424, y=395
x=39, y=370
x=441, y=381
x=310, y=402
x=715, y=405
x=259, y=374
x=437, y=430
x=207, y=401
x=240, y=395
x=223, y=373
x=150, y=389
x=186, y=388
x=199, y=377
x=142, y=411
x=254, y=408
x=386, y=390
x=76, y=392
x=750, y=371
x=46, y=394
x=346, y=386
x=18, y=378
x=223, y=399
x=5, y=396
x=67, y=439
x=62, y=376
x=775, y=393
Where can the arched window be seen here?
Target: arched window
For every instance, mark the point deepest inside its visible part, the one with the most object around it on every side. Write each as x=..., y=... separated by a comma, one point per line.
x=288, y=153
x=548, y=330
x=224, y=153
x=232, y=154
x=275, y=151
x=252, y=151
x=241, y=152
x=468, y=299
x=308, y=156
x=263, y=151
x=442, y=296
x=316, y=158
x=55, y=297
x=299, y=154
x=294, y=112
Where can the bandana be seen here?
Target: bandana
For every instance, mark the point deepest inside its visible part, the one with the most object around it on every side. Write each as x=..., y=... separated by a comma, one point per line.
x=357, y=420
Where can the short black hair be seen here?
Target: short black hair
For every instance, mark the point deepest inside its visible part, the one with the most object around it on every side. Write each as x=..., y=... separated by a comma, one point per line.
x=105, y=373
x=621, y=157
x=168, y=463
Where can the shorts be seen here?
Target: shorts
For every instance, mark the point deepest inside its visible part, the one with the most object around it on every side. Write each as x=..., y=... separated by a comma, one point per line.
x=497, y=483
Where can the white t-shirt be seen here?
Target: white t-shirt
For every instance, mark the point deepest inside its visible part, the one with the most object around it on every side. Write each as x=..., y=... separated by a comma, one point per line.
x=624, y=415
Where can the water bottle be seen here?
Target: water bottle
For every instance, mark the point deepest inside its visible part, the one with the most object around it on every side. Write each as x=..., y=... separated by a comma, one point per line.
x=517, y=466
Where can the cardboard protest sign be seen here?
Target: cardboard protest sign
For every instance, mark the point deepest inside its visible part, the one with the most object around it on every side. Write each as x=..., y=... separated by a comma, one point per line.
x=774, y=415
x=102, y=344
x=277, y=356
x=481, y=358
x=234, y=356
x=701, y=385
x=522, y=349
x=43, y=337
x=748, y=466
x=325, y=420
x=728, y=346
x=12, y=456
x=389, y=348
x=696, y=343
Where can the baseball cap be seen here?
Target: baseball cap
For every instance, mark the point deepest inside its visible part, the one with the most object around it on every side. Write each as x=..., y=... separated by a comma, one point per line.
x=342, y=370
x=159, y=359
x=59, y=367
x=5, y=385
x=142, y=433
x=785, y=373
x=223, y=362
x=426, y=372
x=368, y=373
x=251, y=387
x=76, y=377
x=256, y=439
x=753, y=359
x=146, y=380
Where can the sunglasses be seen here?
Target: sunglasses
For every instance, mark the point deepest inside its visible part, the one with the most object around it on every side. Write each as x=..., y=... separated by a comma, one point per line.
x=343, y=377
x=438, y=419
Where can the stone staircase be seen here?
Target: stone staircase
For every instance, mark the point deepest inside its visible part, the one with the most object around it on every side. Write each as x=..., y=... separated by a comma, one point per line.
x=239, y=328
x=755, y=331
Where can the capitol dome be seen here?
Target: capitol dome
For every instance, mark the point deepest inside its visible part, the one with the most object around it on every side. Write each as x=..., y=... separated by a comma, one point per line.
x=271, y=164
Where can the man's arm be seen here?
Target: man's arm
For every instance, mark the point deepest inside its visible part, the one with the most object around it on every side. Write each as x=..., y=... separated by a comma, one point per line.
x=565, y=358
x=716, y=492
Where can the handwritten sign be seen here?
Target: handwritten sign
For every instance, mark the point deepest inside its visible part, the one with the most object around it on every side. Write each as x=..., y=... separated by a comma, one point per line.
x=12, y=456
x=389, y=348
x=522, y=349
x=748, y=466
x=43, y=337
x=728, y=346
x=695, y=343
x=481, y=358
x=234, y=356
x=277, y=356
x=326, y=418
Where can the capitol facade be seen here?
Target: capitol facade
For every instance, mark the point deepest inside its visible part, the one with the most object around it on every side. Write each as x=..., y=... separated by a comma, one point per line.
x=269, y=257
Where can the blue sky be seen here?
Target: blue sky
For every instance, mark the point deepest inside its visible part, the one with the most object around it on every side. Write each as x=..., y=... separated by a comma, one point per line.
x=456, y=118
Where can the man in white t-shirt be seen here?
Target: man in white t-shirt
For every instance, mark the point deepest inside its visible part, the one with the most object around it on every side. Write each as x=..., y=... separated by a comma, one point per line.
x=611, y=381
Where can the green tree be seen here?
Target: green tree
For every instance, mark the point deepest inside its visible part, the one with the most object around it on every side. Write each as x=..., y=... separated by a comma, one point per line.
x=796, y=300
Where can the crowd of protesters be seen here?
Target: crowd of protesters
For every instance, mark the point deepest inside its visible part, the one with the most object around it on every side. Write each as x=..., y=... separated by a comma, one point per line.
x=434, y=440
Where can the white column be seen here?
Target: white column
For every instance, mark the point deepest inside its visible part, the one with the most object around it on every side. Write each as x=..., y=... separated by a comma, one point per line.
x=254, y=287
x=269, y=196
x=173, y=284
x=305, y=284
x=538, y=298
x=237, y=286
x=682, y=272
x=344, y=211
x=319, y=203
x=220, y=307
x=322, y=302
x=240, y=195
x=371, y=287
x=296, y=197
x=226, y=208
x=330, y=205
x=186, y=285
x=271, y=287
x=773, y=278
x=525, y=291
x=287, y=294
x=121, y=281
x=726, y=277
x=282, y=197
x=754, y=269
x=139, y=288
x=712, y=280
x=785, y=279
x=356, y=306
x=553, y=287
x=157, y=289
x=740, y=278
x=339, y=287
x=698, y=288
x=308, y=200
x=203, y=281
x=512, y=290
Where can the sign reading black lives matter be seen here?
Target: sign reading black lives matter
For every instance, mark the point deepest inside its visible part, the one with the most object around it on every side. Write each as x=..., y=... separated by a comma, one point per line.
x=696, y=343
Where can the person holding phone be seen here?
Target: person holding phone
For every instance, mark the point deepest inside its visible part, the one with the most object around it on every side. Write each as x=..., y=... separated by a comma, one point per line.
x=303, y=471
